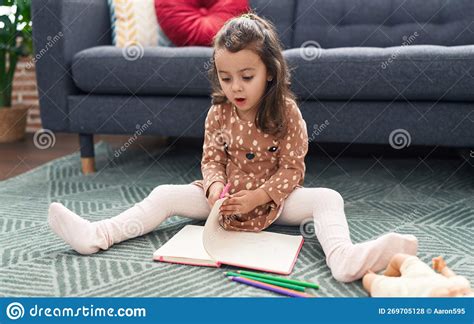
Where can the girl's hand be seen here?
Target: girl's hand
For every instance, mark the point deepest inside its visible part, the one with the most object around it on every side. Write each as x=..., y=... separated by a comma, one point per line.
x=214, y=192
x=241, y=202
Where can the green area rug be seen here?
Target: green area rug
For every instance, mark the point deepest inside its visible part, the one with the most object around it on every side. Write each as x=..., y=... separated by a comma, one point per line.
x=432, y=199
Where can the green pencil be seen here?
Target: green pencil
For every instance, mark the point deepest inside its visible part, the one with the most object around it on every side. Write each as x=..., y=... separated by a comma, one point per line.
x=268, y=281
x=274, y=278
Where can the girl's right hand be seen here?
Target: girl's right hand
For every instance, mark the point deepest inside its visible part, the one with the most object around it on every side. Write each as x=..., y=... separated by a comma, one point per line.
x=214, y=192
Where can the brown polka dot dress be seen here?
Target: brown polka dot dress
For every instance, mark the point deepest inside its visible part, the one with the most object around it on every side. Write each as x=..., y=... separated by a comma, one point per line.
x=235, y=151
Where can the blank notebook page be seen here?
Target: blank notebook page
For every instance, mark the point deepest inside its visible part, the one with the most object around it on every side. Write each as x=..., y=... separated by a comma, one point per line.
x=187, y=243
x=264, y=251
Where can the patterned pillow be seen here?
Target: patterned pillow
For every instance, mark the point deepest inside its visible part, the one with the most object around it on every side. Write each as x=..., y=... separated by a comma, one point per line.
x=134, y=23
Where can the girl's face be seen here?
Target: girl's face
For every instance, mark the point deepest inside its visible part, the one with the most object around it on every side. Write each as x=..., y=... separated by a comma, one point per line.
x=243, y=78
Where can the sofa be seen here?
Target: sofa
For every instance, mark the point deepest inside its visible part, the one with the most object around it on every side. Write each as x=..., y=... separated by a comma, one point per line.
x=364, y=71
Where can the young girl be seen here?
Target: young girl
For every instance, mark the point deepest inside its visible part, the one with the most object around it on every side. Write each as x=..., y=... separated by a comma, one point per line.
x=255, y=140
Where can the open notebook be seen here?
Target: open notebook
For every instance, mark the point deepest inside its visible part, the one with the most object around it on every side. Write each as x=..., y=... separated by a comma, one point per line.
x=211, y=245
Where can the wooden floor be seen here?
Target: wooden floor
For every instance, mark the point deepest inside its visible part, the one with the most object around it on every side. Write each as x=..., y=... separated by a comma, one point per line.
x=19, y=157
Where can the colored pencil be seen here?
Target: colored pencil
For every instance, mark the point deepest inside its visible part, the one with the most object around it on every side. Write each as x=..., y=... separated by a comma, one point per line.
x=268, y=287
x=290, y=281
x=268, y=281
x=224, y=191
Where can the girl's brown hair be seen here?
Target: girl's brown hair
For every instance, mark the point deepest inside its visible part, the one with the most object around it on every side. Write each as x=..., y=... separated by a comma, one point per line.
x=249, y=31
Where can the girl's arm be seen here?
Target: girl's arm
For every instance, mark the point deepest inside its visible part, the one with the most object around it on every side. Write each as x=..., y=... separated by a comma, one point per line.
x=214, y=156
x=261, y=196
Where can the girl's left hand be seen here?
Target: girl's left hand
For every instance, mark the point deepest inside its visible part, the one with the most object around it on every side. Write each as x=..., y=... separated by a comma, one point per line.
x=241, y=202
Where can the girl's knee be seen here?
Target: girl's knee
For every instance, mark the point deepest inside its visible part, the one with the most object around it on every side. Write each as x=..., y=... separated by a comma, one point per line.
x=325, y=196
x=161, y=193
x=161, y=190
x=331, y=194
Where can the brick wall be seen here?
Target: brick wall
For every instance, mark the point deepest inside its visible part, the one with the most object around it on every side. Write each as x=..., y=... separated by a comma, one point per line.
x=26, y=92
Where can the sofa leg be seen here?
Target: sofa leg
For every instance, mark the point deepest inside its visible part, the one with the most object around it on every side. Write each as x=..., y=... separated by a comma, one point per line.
x=86, y=142
x=88, y=165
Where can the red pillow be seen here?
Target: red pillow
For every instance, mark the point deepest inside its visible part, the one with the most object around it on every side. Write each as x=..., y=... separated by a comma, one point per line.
x=195, y=22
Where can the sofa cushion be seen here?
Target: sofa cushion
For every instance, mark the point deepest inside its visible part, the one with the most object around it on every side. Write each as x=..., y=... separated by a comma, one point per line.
x=371, y=23
x=281, y=13
x=195, y=22
x=155, y=71
x=397, y=73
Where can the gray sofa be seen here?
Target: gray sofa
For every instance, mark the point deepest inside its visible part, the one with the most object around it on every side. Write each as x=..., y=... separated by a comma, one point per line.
x=385, y=66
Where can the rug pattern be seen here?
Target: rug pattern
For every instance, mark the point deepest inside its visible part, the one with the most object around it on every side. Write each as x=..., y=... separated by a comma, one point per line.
x=432, y=199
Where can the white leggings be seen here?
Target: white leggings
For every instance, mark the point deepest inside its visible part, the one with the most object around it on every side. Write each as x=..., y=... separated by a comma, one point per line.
x=189, y=201
x=324, y=206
